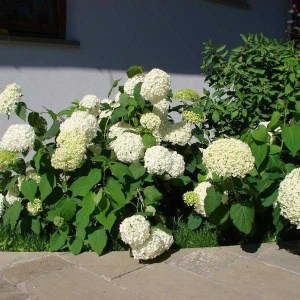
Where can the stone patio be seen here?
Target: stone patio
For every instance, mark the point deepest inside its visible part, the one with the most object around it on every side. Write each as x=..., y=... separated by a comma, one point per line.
x=267, y=272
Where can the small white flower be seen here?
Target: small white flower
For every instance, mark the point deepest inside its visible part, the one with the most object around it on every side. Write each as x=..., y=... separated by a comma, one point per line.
x=35, y=207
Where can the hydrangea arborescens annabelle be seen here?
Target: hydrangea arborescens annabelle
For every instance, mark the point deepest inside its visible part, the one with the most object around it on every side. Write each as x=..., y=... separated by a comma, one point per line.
x=58, y=221
x=150, y=121
x=12, y=196
x=9, y=99
x=34, y=207
x=161, y=108
x=156, y=85
x=128, y=147
x=186, y=95
x=70, y=153
x=117, y=130
x=81, y=121
x=289, y=197
x=18, y=138
x=158, y=242
x=228, y=157
x=132, y=82
x=135, y=230
x=192, y=117
x=92, y=103
x=162, y=161
x=177, y=133
x=7, y=158
x=31, y=174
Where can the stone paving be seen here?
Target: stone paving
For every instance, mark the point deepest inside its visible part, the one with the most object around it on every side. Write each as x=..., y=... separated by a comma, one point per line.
x=267, y=272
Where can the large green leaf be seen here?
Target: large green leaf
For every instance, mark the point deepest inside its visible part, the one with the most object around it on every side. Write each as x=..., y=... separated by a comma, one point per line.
x=242, y=216
x=115, y=191
x=14, y=212
x=57, y=240
x=47, y=183
x=194, y=221
x=120, y=170
x=137, y=170
x=291, y=137
x=260, y=152
x=260, y=134
x=97, y=240
x=135, y=70
x=38, y=123
x=29, y=188
x=76, y=246
x=68, y=209
x=84, y=184
x=212, y=201
x=21, y=110
x=270, y=200
x=153, y=194
x=36, y=226
x=149, y=140
x=107, y=221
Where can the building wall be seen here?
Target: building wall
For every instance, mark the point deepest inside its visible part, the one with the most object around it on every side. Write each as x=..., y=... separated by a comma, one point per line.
x=115, y=34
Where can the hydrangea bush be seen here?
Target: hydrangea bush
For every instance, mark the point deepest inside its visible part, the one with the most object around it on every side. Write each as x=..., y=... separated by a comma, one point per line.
x=118, y=170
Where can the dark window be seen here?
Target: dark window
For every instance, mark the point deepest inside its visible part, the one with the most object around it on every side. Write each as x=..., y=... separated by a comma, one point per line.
x=33, y=18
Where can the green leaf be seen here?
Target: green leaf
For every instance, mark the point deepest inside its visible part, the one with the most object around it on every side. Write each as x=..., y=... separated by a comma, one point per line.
x=270, y=200
x=29, y=188
x=278, y=221
x=242, y=216
x=291, y=138
x=262, y=185
x=36, y=226
x=115, y=84
x=221, y=48
x=38, y=123
x=212, y=200
x=84, y=184
x=288, y=89
x=137, y=170
x=97, y=240
x=260, y=134
x=153, y=194
x=57, y=241
x=194, y=221
x=149, y=140
x=297, y=106
x=215, y=116
x=21, y=110
x=125, y=100
x=134, y=70
x=107, y=221
x=76, y=246
x=114, y=189
x=274, y=149
x=53, y=131
x=118, y=113
x=120, y=170
x=259, y=152
x=47, y=183
x=274, y=119
x=14, y=212
x=68, y=209
x=88, y=202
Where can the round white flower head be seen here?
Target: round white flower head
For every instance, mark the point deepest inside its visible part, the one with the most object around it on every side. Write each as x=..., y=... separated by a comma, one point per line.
x=177, y=166
x=128, y=147
x=289, y=197
x=81, y=121
x=58, y=221
x=70, y=154
x=186, y=95
x=178, y=133
x=158, y=242
x=92, y=103
x=7, y=158
x=31, y=174
x=135, y=230
x=228, y=157
x=117, y=130
x=9, y=99
x=150, y=121
x=158, y=160
x=156, y=85
x=35, y=207
x=161, y=108
x=132, y=82
x=1, y=205
x=12, y=196
x=192, y=117
x=18, y=138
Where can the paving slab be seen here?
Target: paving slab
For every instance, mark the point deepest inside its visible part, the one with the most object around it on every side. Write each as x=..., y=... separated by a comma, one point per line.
x=163, y=281
x=24, y=271
x=110, y=266
x=74, y=283
x=11, y=258
x=260, y=280
x=10, y=291
x=205, y=261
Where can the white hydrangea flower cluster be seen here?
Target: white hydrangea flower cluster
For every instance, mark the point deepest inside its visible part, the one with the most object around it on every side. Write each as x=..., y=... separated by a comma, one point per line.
x=289, y=197
x=1, y=205
x=158, y=242
x=162, y=161
x=132, y=82
x=146, y=243
x=197, y=197
x=135, y=230
x=18, y=138
x=9, y=99
x=31, y=174
x=128, y=147
x=156, y=85
x=92, y=103
x=34, y=207
x=228, y=157
x=81, y=121
x=12, y=196
x=161, y=108
x=150, y=121
x=70, y=154
x=177, y=133
x=117, y=130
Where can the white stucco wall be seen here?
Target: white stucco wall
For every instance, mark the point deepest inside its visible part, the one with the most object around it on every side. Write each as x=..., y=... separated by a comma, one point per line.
x=115, y=34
